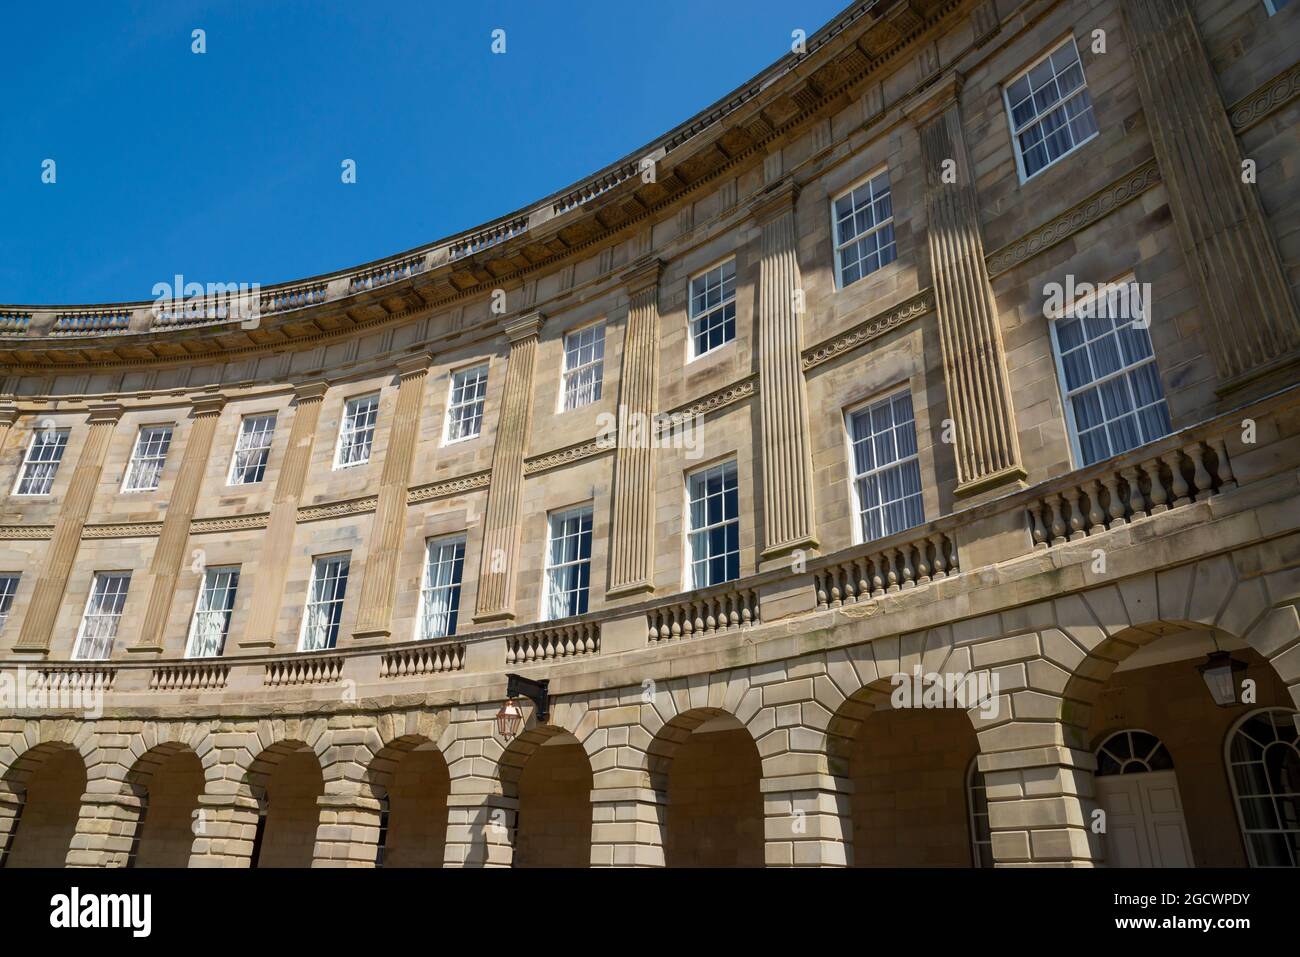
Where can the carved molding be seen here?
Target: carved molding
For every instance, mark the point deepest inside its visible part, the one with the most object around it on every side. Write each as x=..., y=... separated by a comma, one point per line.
x=572, y=453
x=465, y=483
x=25, y=532
x=1268, y=99
x=352, y=506
x=737, y=392
x=1077, y=217
x=872, y=328
x=233, y=523
x=123, y=530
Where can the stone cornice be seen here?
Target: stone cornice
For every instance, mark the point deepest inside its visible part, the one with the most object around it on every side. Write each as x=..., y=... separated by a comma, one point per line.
x=775, y=201
x=643, y=275
x=417, y=364
x=523, y=327
x=309, y=391
x=104, y=412
x=1077, y=217
x=872, y=328
x=933, y=100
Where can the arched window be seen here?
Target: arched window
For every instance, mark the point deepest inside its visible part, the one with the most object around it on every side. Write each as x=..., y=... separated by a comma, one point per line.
x=1132, y=752
x=1263, y=757
x=981, y=836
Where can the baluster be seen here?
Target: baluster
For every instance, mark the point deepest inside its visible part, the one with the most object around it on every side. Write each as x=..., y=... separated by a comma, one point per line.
x=1224, y=468
x=1096, y=515
x=1074, y=514
x=699, y=619
x=688, y=622
x=864, y=583
x=1058, y=519
x=923, y=563
x=1200, y=474
x=1036, y=530
x=850, y=593
x=877, y=578
x=940, y=564
x=733, y=602
x=1157, y=496
x=653, y=637
x=710, y=622
x=953, y=567
x=676, y=629
x=512, y=650
x=908, y=572
x=836, y=595
x=822, y=597
x=1114, y=507
x=1178, y=484
x=746, y=609
x=891, y=566
x=569, y=648
x=1136, y=503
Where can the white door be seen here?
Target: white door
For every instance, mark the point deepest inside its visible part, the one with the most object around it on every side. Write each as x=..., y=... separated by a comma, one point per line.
x=1144, y=820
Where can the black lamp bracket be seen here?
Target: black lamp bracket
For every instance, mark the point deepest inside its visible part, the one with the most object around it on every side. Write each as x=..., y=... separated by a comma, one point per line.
x=534, y=691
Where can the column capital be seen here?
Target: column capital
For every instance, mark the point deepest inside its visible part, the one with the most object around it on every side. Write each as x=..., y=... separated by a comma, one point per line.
x=774, y=201
x=311, y=391
x=416, y=364
x=524, y=326
x=207, y=404
x=643, y=274
x=932, y=101
x=104, y=412
x=8, y=413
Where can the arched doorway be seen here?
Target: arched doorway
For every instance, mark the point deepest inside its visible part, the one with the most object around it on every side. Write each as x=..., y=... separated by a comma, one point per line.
x=290, y=782
x=1138, y=789
x=709, y=768
x=169, y=781
x=415, y=807
x=52, y=780
x=1263, y=758
x=553, y=822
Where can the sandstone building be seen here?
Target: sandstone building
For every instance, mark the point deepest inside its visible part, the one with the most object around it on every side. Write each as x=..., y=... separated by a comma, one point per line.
x=962, y=342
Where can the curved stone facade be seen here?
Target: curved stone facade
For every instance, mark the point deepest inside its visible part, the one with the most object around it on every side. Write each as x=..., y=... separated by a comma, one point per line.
x=616, y=442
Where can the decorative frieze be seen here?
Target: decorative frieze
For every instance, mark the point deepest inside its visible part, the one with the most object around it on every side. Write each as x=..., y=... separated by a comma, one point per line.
x=351, y=506
x=975, y=375
x=720, y=399
x=571, y=453
x=505, y=493
x=870, y=329
x=432, y=490
x=1267, y=100
x=632, y=522
x=1251, y=314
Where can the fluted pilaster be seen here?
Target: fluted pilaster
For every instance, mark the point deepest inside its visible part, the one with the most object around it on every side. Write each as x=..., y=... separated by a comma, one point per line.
x=788, y=521
x=632, y=525
x=1251, y=316
x=496, y=582
x=374, y=617
x=268, y=588
x=974, y=364
x=175, y=534
x=52, y=580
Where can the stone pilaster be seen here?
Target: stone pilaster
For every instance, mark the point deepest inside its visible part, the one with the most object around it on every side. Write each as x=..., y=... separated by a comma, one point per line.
x=52, y=580
x=807, y=821
x=169, y=553
x=480, y=830
x=8, y=416
x=224, y=831
x=1251, y=316
x=1040, y=807
x=348, y=832
x=627, y=827
x=496, y=581
x=631, y=564
x=268, y=588
x=788, y=521
x=974, y=364
x=375, y=614
x=11, y=809
x=106, y=829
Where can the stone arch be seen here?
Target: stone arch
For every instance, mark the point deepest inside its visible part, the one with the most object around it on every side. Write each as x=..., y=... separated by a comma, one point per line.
x=547, y=771
x=168, y=780
x=1263, y=785
x=286, y=779
x=77, y=735
x=410, y=779
x=43, y=790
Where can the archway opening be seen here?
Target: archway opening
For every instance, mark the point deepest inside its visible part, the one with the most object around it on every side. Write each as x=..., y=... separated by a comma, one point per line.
x=553, y=823
x=52, y=780
x=912, y=801
x=171, y=789
x=714, y=816
x=416, y=824
x=291, y=813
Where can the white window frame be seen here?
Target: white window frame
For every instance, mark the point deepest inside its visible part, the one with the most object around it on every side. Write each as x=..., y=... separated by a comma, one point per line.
x=136, y=462
x=1272, y=7
x=571, y=384
x=348, y=428
x=1231, y=765
x=28, y=462
x=840, y=244
x=8, y=589
x=1071, y=425
x=453, y=406
x=890, y=396
x=451, y=608
x=112, y=618
x=975, y=781
x=699, y=474
x=320, y=566
x=692, y=318
x=205, y=609
x=555, y=574
x=1038, y=117
x=244, y=423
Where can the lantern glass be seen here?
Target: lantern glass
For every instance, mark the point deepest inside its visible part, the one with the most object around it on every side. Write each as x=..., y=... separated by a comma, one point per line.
x=1220, y=673
x=508, y=719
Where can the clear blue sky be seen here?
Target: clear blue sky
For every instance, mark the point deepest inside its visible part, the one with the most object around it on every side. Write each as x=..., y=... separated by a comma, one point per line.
x=225, y=166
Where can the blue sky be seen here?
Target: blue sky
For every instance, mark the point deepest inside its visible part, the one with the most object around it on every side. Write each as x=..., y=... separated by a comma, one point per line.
x=225, y=166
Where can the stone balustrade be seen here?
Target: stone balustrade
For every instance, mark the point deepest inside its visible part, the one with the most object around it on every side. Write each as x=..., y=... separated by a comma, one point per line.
x=566, y=640
x=14, y=323
x=1131, y=488
x=58, y=679
x=293, y=297
x=198, y=675
x=423, y=659
x=94, y=323
x=309, y=669
x=703, y=613
x=880, y=568
x=386, y=273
